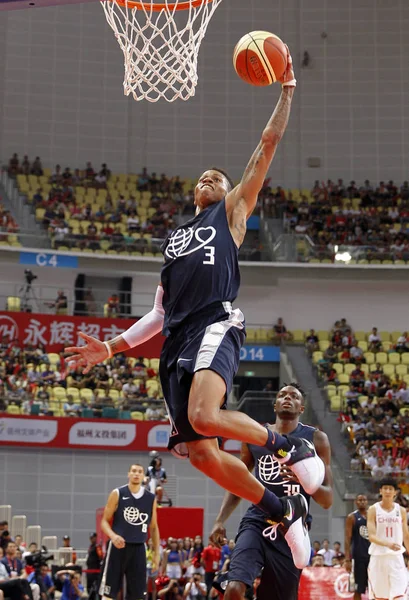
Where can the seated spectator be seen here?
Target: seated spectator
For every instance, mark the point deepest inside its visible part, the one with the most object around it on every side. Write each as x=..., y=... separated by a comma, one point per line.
x=374, y=341
x=312, y=341
x=113, y=306
x=70, y=407
x=280, y=332
x=318, y=561
x=14, y=165
x=89, y=172
x=25, y=165
x=402, y=343
x=356, y=353
x=352, y=396
x=379, y=471
x=327, y=553
x=330, y=353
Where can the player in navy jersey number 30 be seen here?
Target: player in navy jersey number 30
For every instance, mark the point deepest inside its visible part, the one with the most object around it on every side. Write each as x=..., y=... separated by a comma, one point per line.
x=200, y=280
x=261, y=544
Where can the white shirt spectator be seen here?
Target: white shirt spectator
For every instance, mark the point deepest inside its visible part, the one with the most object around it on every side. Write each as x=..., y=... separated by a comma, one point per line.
x=130, y=389
x=373, y=338
x=371, y=461
x=357, y=426
x=403, y=395
x=132, y=221
x=379, y=472
x=327, y=554
x=356, y=352
x=60, y=233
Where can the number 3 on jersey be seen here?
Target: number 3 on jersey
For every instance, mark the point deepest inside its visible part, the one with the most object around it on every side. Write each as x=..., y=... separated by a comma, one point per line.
x=209, y=255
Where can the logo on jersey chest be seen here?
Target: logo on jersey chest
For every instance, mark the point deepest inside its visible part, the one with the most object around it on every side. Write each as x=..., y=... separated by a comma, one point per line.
x=187, y=241
x=269, y=471
x=134, y=517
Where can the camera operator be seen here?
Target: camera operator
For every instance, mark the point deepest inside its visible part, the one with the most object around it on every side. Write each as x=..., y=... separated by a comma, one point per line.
x=60, y=303
x=71, y=587
x=195, y=589
x=15, y=570
x=44, y=581
x=171, y=592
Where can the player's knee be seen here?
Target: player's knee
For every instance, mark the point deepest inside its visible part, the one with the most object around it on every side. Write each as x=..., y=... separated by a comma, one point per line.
x=235, y=590
x=205, y=459
x=202, y=423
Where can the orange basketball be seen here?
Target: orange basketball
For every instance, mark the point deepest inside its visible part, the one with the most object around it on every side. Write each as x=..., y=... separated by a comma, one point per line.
x=260, y=58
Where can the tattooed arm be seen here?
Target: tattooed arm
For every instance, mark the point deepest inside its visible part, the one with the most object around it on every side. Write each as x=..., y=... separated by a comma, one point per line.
x=241, y=201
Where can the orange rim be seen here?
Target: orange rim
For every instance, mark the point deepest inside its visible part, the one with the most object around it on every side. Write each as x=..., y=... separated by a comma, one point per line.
x=158, y=7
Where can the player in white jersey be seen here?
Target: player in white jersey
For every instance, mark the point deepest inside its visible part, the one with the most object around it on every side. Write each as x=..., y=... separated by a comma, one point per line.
x=388, y=532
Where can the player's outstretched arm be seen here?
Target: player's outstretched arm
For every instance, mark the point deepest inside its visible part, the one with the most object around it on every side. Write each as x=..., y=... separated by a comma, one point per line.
x=246, y=193
x=95, y=351
x=405, y=528
x=230, y=501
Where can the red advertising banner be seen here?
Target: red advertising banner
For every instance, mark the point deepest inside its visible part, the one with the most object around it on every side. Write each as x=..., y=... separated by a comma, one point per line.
x=56, y=331
x=325, y=582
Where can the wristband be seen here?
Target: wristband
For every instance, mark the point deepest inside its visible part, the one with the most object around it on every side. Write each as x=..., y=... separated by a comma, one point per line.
x=109, y=350
x=291, y=83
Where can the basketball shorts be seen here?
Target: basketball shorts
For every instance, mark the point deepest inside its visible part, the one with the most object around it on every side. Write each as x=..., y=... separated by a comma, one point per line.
x=208, y=341
x=129, y=562
x=361, y=574
x=387, y=576
x=254, y=555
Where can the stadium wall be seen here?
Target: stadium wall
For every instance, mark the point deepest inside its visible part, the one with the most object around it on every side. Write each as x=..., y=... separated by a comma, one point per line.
x=303, y=297
x=62, y=93
x=62, y=490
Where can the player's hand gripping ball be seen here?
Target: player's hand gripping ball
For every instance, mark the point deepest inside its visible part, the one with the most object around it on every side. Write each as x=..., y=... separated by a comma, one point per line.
x=260, y=58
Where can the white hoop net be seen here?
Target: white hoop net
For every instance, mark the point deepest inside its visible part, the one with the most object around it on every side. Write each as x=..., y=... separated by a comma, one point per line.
x=160, y=47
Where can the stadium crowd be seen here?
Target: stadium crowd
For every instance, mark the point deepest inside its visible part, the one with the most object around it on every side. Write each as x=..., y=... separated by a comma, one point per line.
x=335, y=214
x=187, y=567
x=37, y=383
x=367, y=381
x=94, y=210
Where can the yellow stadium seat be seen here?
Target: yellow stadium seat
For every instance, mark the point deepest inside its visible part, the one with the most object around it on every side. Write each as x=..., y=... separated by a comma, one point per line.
x=12, y=409
x=406, y=379
x=87, y=394
x=405, y=358
x=360, y=336
x=348, y=368
x=363, y=345
x=152, y=386
x=386, y=346
x=338, y=367
x=262, y=334
x=59, y=393
x=316, y=356
x=343, y=378
x=323, y=345
x=365, y=368
x=381, y=357
x=395, y=335
x=389, y=369
x=401, y=370
x=251, y=335
x=40, y=212
x=342, y=389
x=394, y=358
x=331, y=390
x=403, y=410
x=137, y=415
x=74, y=392
x=385, y=336
x=322, y=335
x=13, y=303
x=336, y=403
x=54, y=358
x=369, y=357
x=154, y=363
x=298, y=335
x=400, y=262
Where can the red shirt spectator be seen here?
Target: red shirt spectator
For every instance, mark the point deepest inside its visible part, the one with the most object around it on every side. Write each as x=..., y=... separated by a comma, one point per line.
x=211, y=558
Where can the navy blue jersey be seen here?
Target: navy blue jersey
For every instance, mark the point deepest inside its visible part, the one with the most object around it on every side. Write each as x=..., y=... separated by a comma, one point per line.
x=201, y=266
x=360, y=541
x=267, y=471
x=133, y=515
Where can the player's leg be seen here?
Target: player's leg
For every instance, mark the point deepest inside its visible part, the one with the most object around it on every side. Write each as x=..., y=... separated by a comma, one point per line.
x=397, y=577
x=361, y=578
x=280, y=578
x=135, y=572
x=206, y=398
x=378, y=578
x=246, y=563
x=112, y=572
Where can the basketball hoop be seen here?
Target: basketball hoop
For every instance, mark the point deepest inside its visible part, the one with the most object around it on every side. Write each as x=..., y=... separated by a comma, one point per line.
x=160, y=42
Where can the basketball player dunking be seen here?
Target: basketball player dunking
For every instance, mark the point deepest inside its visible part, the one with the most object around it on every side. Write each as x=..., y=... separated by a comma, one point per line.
x=260, y=544
x=357, y=545
x=387, y=531
x=200, y=279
